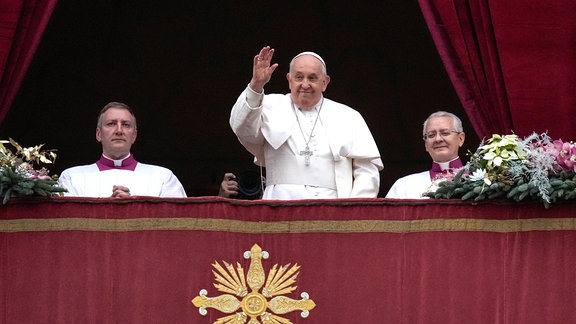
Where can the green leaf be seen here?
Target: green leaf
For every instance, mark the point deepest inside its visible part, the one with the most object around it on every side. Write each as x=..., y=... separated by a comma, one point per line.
x=468, y=195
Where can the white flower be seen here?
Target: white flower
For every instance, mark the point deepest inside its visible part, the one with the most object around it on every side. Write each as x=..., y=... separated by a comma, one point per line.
x=480, y=174
x=501, y=149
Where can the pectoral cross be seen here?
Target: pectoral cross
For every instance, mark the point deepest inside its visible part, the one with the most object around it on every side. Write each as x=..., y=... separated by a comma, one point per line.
x=307, y=153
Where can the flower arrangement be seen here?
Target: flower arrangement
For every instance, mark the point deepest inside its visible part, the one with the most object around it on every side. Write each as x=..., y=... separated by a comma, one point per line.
x=506, y=166
x=20, y=177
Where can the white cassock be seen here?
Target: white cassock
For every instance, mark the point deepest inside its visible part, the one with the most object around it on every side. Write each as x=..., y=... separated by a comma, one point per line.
x=344, y=161
x=96, y=180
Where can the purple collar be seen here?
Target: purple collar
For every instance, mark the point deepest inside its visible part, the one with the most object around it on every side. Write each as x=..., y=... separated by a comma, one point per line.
x=127, y=164
x=436, y=170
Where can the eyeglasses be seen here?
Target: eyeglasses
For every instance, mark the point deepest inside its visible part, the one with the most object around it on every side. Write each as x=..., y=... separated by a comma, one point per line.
x=443, y=133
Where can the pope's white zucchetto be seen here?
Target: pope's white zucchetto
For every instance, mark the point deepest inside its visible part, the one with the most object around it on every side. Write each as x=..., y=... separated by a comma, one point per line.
x=312, y=54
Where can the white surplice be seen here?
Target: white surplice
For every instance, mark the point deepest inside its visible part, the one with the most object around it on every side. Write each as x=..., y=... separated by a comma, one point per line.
x=145, y=180
x=411, y=186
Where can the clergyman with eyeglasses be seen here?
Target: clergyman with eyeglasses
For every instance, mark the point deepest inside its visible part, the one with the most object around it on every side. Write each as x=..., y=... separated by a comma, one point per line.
x=443, y=136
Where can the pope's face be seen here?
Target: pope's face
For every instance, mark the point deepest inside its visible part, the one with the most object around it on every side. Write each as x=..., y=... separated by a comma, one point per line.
x=307, y=82
x=443, y=147
x=117, y=133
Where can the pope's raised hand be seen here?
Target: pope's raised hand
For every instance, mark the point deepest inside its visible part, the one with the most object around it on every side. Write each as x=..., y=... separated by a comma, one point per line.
x=263, y=69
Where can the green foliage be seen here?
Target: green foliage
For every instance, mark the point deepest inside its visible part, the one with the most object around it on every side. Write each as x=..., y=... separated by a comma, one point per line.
x=562, y=186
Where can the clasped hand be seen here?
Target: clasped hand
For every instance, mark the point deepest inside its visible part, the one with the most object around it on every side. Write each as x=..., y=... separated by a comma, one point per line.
x=120, y=192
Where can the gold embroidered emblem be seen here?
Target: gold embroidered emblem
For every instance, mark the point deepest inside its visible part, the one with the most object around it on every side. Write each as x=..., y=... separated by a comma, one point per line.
x=265, y=304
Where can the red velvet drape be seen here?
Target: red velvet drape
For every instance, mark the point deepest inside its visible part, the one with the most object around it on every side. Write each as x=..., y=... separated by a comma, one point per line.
x=22, y=24
x=511, y=62
x=378, y=261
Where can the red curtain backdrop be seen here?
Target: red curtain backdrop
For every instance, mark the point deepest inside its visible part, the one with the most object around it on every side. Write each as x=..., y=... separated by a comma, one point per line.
x=22, y=24
x=361, y=261
x=512, y=63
